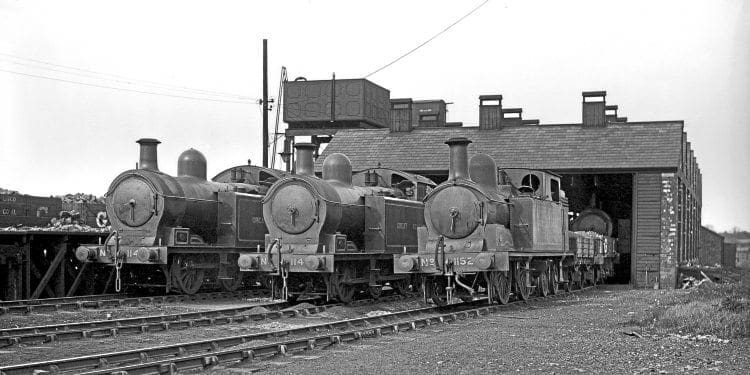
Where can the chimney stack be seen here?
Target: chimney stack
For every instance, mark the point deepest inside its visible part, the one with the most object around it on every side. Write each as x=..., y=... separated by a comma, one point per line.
x=594, y=104
x=512, y=116
x=401, y=112
x=459, y=158
x=610, y=113
x=490, y=112
x=304, y=159
x=148, y=157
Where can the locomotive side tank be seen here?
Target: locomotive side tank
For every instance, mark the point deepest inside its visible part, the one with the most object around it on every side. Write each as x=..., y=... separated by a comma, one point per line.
x=186, y=226
x=330, y=237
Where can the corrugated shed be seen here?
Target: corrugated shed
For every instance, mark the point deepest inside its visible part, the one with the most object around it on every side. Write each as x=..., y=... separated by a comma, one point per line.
x=634, y=145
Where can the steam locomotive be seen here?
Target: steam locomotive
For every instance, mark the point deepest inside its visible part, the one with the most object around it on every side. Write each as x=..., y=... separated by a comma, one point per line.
x=490, y=235
x=182, y=232
x=335, y=236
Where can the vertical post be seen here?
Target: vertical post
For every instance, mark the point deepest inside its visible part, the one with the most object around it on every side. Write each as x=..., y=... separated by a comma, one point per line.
x=60, y=285
x=333, y=97
x=27, y=270
x=265, y=102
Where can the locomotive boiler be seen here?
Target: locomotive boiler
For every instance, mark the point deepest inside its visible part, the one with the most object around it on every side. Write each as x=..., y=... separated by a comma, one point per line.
x=493, y=234
x=336, y=235
x=182, y=231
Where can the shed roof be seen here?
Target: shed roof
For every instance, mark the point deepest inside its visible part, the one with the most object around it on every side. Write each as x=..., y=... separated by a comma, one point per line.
x=627, y=146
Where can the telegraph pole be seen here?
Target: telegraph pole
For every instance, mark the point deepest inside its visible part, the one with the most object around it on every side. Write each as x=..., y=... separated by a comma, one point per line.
x=265, y=102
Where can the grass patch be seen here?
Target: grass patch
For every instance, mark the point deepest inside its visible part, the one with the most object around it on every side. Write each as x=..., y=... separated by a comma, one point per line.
x=711, y=309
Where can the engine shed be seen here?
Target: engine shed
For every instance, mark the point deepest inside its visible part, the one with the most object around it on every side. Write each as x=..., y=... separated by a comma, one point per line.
x=643, y=174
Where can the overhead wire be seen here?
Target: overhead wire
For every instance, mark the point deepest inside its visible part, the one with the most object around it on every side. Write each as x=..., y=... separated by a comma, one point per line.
x=126, y=89
x=118, y=78
x=429, y=40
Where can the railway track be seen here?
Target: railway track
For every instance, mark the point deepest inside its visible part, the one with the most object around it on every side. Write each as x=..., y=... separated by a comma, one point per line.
x=157, y=323
x=207, y=353
x=113, y=300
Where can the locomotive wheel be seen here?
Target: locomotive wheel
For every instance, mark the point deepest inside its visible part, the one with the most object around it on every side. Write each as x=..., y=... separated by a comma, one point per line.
x=435, y=290
x=346, y=292
x=521, y=281
x=401, y=286
x=542, y=284
x=499, y=286
x=234, y=283
x=579, y=283
x=187, y=279
x=554, y=279
x=569, y=284
x=375, y=291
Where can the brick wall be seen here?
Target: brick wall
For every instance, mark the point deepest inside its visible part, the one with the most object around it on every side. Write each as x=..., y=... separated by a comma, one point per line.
x=668, y=232
x=710, y=248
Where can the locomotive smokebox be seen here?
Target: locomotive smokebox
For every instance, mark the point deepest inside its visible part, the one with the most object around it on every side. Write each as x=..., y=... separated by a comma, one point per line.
x=148, y=159
x=337, y=167
x=304, y=162
x=459, y=162
x=191, y=163
x=483, y=171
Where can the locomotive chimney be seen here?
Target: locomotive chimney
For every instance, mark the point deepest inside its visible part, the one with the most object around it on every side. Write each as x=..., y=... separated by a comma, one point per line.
x=337, y=167
x=148, y=158
x=459, y=159
x=192, y=163
x=304, y=162
x=483, y=171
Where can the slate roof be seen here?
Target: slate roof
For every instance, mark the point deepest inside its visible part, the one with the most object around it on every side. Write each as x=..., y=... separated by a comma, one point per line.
x=625, y=146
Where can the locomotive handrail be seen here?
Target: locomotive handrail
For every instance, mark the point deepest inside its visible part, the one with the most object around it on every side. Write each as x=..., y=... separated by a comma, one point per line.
x=273, y=189
x=187, y=198
x=465, y=183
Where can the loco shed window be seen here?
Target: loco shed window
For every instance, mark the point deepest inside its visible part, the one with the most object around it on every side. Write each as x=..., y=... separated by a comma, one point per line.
x=529, y=183
x=554, y=188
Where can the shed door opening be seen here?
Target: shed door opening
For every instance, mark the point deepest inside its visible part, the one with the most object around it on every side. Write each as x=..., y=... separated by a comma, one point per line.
x=613, y=194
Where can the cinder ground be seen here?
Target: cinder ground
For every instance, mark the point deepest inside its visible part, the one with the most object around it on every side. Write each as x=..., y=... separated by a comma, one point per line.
x=582, y=334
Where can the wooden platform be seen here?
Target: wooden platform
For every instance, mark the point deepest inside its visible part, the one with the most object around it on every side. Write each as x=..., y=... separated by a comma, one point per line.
x=41, y=262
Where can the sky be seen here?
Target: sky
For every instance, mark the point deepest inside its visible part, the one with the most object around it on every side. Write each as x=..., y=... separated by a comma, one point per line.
x=658, y=60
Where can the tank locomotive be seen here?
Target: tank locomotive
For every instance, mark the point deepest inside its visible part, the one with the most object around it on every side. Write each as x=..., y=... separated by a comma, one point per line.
x=181, y=232
x=335, y=236
x=490, y=234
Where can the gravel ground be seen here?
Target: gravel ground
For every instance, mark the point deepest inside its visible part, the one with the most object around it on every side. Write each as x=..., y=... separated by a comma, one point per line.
x=49, y=351
x=85, y=315
x=579, y=334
